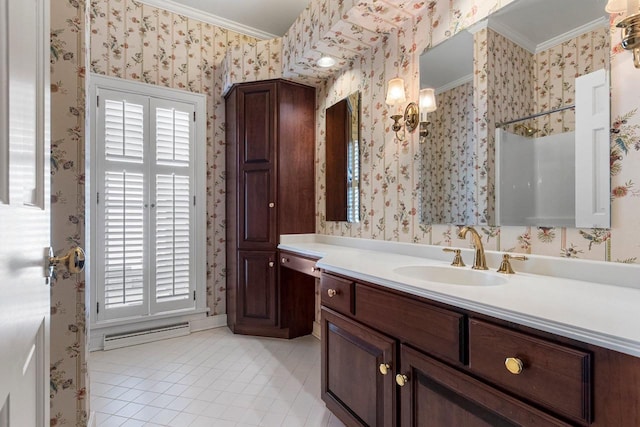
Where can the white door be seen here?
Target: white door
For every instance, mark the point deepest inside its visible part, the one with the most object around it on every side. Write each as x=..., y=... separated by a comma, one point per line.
x=24, y=213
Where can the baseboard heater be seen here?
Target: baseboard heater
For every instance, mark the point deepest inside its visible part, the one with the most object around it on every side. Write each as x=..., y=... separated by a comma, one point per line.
x=148, y=335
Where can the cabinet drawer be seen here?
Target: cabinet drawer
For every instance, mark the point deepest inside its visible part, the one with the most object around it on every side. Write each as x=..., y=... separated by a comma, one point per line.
x=336, y=293
x=553, y=375
x=433, y=330
x=299, y=263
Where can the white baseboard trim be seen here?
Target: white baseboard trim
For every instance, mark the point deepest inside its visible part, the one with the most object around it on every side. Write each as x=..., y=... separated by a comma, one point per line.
x=316, y=330
x=92, y=419
x=210, y=322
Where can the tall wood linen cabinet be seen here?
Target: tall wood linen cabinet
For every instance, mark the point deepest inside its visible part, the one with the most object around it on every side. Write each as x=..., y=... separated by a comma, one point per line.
x=270, y=145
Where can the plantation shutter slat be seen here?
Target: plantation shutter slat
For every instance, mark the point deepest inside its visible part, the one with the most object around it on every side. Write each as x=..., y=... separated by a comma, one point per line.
x=173, y=188
x=124, y=199
x=172, y=237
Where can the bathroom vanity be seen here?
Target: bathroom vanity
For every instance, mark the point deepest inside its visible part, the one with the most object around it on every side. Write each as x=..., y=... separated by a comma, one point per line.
x=524, y=349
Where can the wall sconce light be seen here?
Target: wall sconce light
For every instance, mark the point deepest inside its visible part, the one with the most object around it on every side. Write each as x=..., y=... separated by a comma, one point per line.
x=630, y=25
x=427, y=105
x=396, y=95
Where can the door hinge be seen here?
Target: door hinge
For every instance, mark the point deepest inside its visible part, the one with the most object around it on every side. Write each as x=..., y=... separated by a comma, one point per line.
x=194, y=200
x=98, y=198
x=194, y=116
x=194, y=295
x=98, y=101
x=97, y=307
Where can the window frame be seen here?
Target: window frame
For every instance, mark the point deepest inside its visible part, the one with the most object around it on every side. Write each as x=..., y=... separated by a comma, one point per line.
x=95, y=160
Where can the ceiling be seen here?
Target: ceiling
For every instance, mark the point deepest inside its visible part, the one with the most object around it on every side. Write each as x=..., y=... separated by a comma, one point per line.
x=271, y=17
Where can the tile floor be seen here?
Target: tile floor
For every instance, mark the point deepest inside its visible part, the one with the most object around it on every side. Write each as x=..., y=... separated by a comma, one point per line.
x=210, y=379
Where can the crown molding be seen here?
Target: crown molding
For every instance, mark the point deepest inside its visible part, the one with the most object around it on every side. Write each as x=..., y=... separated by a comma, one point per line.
x=534, y=48
x=474, y=28
x=190, y=12
x=455, y=83
x=513, y=35
x=589, y=26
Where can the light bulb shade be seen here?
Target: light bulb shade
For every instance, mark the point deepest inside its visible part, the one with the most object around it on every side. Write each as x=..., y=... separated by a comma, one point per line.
x=616, y=6
x=428, y=100
x=326, y=61
x=395, y=92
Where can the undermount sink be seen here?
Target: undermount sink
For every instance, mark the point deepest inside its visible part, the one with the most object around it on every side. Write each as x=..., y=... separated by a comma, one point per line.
x=451, y=275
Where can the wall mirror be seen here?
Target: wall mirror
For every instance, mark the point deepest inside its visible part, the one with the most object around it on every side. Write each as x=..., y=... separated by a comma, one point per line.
x=343, y=160
x=495, y=155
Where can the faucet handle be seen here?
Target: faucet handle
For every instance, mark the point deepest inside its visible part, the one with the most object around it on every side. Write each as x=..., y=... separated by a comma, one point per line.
x=457, y=259
x=505, y=265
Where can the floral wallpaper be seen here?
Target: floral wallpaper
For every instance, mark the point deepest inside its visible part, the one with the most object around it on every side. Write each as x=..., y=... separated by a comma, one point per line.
x=69, y=350
x=555, y=72
x=448, y=158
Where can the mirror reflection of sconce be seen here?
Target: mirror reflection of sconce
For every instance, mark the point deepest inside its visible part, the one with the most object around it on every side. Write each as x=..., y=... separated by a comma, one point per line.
x=630, y=25
x=427, y=105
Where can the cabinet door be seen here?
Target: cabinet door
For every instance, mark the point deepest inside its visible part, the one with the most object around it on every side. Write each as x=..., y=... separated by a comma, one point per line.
x=256, y=164
x=257, y=293
x=435, y=395
x=353, y=385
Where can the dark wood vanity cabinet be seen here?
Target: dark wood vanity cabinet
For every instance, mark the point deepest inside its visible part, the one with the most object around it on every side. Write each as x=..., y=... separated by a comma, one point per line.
x=449, y=366
x=270, y=146
x=435, y=394
x=357, y=371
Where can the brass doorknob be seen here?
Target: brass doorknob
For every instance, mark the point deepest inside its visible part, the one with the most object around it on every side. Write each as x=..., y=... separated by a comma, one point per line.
x=72, y=260
x=384, y=368
x=332, y=293
x=514, y=365
x=402, y=380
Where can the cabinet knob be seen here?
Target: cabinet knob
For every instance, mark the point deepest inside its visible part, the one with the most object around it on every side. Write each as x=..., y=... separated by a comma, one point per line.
x=271, y=205
x=314, y=269
x=514, y=365
x=402, y=380
x=384, y=368
x=284, y=260
x=332, y=293
x=271, y=264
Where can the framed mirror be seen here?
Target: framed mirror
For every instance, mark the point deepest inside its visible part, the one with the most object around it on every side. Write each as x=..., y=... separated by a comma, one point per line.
x=514, y=74
x=343, y=160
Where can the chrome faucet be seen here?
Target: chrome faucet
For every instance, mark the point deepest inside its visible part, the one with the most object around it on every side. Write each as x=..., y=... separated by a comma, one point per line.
x=479, y=261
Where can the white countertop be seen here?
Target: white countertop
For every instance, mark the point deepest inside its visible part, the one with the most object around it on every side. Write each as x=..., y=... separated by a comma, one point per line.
x=551, y=294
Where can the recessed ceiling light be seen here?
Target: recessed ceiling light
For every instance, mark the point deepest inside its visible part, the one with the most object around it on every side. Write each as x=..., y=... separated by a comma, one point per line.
x=326, y=61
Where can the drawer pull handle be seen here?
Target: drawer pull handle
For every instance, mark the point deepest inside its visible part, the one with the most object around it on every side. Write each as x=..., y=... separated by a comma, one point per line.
x=284, y=260
x=384, y=368
x=332, y=293
x=402, y=380
x=514, y=365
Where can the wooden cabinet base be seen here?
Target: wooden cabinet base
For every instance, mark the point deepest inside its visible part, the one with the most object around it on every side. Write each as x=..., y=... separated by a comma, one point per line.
x=437, y=395
x=507, y=374
x=353, y=386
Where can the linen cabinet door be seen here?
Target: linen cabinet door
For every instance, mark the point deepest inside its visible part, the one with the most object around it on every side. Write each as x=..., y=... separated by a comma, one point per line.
x=256, y=163
x=433, y=394
x=357, y=372
x=257, y=296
